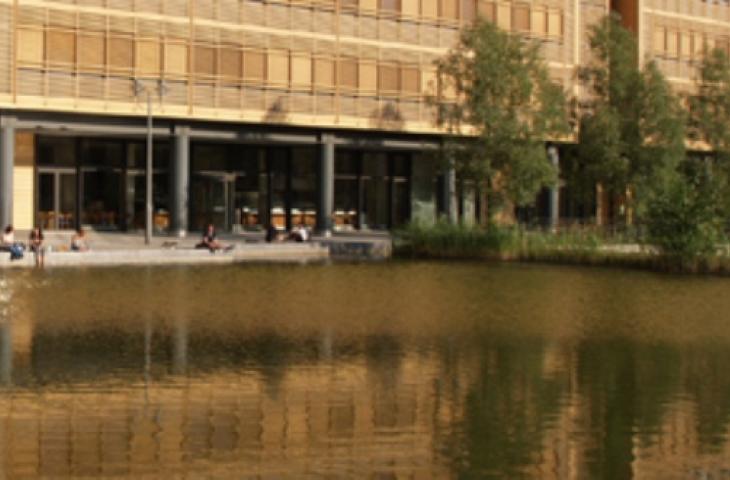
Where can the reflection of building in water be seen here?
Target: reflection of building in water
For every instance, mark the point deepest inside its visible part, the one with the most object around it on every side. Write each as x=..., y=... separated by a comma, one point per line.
x=322, y=419
x=378, y=407
x=16, y=331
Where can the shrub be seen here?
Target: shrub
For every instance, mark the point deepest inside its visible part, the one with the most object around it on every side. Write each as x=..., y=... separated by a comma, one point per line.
x=684, y=220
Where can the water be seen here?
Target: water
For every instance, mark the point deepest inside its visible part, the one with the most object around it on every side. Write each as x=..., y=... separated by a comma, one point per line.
x=385, y=371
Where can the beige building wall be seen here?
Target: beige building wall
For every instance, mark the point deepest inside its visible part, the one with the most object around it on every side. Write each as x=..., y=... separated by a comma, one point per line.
x=239, y=60
x=23, y=181
x=676, y=33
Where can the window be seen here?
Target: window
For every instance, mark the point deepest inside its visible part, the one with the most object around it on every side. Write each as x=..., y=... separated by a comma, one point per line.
x=672, y=43
x=555, y=24
x=254, y=66
x=278, y=68
x=301, y=71
x=410, y=8
x=204, y=60
x=504, y=16
x=698, y=44
x=176, y=59
x=347, y=73
x=659, y=40
x=468, y=10
x=487, y=10
x=91, y=51
x=392, y=6
x=367, y=76
x=430, y=8
x=410, y=80
x=521, y=18
x=60, y=46
x=538, y=22
x=449, y=9
x=387, y=78
x=324, y=72
x=229, y=65
x=121, y=53
x=685, y=45
x=148, y=57
x=349, y=4
x=30, y=46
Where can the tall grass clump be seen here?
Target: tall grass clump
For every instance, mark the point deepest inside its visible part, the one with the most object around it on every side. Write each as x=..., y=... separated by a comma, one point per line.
x=447, y=240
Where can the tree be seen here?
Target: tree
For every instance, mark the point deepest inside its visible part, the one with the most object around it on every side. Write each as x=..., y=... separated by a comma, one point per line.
x=684, y=215
x=710, y=107
x=631, y=127
x=505, y=107
x=710, y=117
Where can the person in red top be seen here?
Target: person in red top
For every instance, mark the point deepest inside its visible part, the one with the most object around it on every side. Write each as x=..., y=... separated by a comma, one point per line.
x=35, y=241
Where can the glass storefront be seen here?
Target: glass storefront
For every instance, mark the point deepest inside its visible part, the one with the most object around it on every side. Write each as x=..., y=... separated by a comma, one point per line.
x=99, y=183
x=372, y=189
x=246, y=187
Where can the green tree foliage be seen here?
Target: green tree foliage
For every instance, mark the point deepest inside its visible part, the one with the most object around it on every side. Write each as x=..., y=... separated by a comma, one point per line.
x=711, y=105
x=632, y=127
x=710, y=119
x=685, y=215
x=508, y=104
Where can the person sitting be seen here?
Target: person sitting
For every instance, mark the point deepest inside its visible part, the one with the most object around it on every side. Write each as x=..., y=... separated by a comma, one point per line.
x=299, y=233
x=78, y=241
x=35, y=241
x=272, y=235
x=210, y=241
x=9, y=244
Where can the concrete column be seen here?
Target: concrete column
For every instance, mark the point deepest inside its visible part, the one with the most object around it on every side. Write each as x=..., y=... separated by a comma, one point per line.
x=554, y=157
x=326, y=184
x=7, y=161
x=449, y=195
x=181, y=182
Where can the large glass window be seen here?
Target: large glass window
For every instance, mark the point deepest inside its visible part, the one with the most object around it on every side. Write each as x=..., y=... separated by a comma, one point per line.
x=347, y=189
x=56, y=180
x=376, y=191
x=372, y=190
x=248, y=199
x=304, y=186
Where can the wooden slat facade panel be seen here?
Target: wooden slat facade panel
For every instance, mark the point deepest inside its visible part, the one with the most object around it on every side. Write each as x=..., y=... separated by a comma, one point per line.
x=95, y=48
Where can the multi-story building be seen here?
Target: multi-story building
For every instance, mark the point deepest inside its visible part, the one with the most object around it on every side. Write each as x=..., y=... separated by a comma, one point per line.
x=676, y=33
x=280, y=111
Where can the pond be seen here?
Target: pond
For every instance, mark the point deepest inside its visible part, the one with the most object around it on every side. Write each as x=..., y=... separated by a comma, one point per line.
x=384, y=371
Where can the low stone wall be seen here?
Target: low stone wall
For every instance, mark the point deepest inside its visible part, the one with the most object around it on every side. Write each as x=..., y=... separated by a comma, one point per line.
x=360, y=250
x=295, y=253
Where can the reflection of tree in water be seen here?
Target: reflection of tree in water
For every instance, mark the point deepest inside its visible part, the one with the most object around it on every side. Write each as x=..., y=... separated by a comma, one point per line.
x=624, y=388
x=629, y=387
x=508, y=409
x=708, y=383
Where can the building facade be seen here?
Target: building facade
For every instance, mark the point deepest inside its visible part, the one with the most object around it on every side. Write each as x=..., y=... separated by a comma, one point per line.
x=676, y=33
x=265, y=111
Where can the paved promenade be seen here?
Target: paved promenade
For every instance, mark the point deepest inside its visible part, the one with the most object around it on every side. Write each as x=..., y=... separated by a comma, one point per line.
x=120, y=249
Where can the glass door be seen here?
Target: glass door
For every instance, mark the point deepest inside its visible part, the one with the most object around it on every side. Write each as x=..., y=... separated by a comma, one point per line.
x=211, y=202
x=56, y=199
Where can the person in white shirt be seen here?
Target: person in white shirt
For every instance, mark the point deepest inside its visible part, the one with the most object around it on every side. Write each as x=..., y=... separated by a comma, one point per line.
x=10, y=245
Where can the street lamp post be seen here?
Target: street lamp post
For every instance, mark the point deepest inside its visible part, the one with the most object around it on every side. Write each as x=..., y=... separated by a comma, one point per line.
x=139, y=88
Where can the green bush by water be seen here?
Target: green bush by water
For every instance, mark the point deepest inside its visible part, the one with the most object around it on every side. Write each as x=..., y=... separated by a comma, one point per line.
x=446, y=240
x=581, y=246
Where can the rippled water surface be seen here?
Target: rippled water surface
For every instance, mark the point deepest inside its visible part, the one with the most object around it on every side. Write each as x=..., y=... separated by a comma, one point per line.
x=386, y=371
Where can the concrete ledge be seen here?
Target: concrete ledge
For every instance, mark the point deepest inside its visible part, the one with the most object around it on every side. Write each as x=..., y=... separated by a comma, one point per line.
x=294, y=252
x=357, y=250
